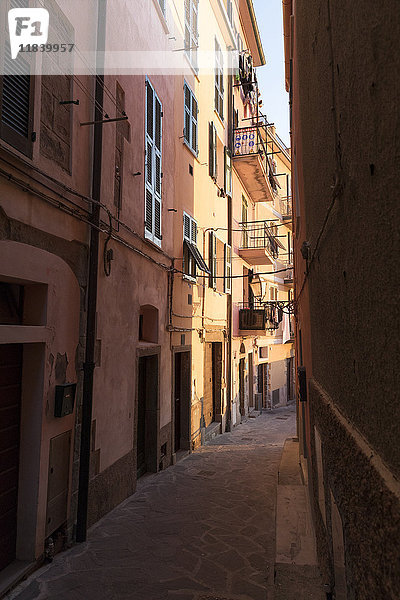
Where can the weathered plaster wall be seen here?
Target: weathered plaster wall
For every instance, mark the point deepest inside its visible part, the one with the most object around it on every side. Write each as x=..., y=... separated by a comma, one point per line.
x=346, y=131
x=367, y=498
x=348, y=139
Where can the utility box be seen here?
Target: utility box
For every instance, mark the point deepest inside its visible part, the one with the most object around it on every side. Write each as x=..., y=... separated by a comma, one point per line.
x=65, y=399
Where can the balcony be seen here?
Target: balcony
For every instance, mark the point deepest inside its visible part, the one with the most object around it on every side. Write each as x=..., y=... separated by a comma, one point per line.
x=258, y=245
x=252, y=319
x=288, y=275
x=258, y=316
x=250, y=159
x=284, y=207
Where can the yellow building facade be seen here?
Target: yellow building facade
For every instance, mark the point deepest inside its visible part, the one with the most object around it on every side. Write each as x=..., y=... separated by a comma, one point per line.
x=232, y=221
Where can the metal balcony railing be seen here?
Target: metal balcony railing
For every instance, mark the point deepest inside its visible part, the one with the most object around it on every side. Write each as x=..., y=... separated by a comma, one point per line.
x=257, y=315
x=252, y=318
x=252, y=141
x=283, y=206
x=257, y=234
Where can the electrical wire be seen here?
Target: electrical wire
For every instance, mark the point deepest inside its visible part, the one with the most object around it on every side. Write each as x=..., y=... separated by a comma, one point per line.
x=75, y=213
x=261, y=228
x=237, y=276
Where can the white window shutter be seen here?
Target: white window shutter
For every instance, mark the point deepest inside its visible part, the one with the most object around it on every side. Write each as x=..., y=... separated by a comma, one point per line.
x=158, y=168
x=186, y=227
x=149, y=187
x=153, y=166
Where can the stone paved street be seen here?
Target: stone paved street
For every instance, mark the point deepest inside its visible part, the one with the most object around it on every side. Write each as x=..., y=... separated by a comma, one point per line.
x=203, y=529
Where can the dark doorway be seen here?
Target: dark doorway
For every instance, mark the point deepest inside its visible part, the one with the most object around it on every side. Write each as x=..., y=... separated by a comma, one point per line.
x=10, y=415
x=147, y=422
x=217, y=377
x=261, y=377
x=182, y=401
x=289, y=379
x=241, y=385
x=212, y=381
x=208, y=393
x=251, y=380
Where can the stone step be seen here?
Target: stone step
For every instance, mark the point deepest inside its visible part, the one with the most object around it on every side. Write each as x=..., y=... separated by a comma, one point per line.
x=253, y=413
x=212, y=431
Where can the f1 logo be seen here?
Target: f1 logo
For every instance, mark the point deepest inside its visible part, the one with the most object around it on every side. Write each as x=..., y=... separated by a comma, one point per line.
x=26, y=26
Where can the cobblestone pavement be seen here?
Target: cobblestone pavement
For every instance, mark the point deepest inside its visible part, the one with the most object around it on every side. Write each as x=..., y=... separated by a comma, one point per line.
x=203, y=529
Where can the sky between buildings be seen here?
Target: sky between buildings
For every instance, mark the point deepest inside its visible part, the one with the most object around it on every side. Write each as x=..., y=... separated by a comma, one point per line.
x=271, y=77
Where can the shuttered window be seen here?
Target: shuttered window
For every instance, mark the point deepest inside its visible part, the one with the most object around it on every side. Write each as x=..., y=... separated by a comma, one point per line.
x=228, y=269
x=153, y=172
x=191, y=31
x=16, y=103
x=212, y=154
x=228, y=172
x=189, y=235
x=190, y=128
x=219, y=81
x=213, y=260
x=192, y=259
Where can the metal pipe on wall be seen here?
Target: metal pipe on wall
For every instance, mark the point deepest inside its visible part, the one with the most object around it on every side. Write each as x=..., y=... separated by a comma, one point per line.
x=89, y=364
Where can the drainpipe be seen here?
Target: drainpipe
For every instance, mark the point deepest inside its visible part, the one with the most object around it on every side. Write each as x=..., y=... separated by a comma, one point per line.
x=229, y=296
x=89, y=364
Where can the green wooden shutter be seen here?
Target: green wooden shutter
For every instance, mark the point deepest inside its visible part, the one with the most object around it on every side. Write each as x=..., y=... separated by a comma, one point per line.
x=210, y=150
x=212, y=155
x=194, y=124
x=187, y=127
x=213, y=260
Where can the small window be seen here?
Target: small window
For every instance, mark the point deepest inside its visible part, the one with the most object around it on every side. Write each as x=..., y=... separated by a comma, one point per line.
x=190, y=128
x=219, y=81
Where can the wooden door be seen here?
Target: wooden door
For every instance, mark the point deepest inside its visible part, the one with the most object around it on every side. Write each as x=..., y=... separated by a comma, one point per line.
x=241, y=385
x=217, y=378
x=178, y=407
x=251, y=380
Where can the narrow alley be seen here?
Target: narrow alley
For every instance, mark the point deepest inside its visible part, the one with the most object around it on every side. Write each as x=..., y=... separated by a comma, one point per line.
x=202, y=530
